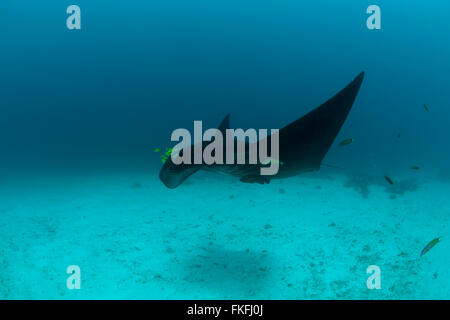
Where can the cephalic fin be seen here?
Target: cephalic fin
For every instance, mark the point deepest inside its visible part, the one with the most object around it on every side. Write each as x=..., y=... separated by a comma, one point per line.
x=225, y=124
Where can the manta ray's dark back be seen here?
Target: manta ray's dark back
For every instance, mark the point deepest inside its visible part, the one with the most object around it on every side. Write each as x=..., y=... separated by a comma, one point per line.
x=302, y=144
x=305, y=142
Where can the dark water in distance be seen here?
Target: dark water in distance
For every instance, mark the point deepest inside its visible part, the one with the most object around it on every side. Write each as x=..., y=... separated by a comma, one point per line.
x=137, y=70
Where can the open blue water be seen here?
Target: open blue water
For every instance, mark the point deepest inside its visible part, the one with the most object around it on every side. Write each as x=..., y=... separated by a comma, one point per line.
x=83, y=110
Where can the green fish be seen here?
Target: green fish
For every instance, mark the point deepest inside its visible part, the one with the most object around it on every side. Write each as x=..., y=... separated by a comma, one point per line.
x=389, y=180
x=426, y=108
x=166, y=154
x=346, y=142
x=270, y=160
x=169, y=151
x=430, y=245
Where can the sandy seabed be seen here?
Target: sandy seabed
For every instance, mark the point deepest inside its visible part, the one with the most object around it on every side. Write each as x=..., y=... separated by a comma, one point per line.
x=308, y=237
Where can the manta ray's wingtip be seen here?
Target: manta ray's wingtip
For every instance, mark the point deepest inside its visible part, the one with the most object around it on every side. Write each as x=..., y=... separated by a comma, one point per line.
x=357, y=82
x=360, y=76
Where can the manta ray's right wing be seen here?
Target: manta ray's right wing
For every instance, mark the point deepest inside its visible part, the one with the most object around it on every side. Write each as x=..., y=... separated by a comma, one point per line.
x=305, y=142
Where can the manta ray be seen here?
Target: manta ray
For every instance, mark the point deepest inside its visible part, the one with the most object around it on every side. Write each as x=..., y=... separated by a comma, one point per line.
x=303, y=144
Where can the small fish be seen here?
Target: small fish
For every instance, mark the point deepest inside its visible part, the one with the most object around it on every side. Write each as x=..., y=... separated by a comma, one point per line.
x=346, y=142
x=430, y=245
x=255, y=178
x=157, y=150
x=398, y=135
x=415, y=168
x=389, y=180
x=426, y=108
x=169, y=151
x=270, y=160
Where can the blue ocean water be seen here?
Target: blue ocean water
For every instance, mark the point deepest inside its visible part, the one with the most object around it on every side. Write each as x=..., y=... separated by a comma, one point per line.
x=83, y=111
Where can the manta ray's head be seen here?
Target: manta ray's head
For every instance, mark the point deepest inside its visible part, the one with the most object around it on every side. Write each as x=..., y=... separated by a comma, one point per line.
x=172, y=175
